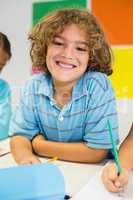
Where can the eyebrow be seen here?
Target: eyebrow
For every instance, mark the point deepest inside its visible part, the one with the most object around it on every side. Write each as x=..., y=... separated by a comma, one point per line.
x=78, y=42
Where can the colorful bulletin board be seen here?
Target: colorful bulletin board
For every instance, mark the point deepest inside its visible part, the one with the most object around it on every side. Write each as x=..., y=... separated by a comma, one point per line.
x=43, y=8
x=116, y=17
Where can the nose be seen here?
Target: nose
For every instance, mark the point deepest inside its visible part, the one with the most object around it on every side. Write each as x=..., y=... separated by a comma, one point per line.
x=68, y=52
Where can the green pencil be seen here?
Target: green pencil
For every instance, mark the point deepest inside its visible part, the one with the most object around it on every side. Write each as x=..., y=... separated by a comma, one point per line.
x=114, y=147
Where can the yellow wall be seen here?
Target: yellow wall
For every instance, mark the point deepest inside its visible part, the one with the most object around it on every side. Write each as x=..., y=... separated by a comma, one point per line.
x=123, y=72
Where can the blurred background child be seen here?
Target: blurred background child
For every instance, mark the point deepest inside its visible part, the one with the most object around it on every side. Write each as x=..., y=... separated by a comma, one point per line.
x=5, y=94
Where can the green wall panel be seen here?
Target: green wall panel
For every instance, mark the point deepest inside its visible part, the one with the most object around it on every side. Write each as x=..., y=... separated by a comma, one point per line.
x=43, y=8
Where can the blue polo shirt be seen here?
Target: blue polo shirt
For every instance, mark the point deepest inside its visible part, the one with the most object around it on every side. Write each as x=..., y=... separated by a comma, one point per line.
x=83, y=118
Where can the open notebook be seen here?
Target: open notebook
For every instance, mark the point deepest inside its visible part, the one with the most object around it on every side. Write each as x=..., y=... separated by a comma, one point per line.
x=95, y=190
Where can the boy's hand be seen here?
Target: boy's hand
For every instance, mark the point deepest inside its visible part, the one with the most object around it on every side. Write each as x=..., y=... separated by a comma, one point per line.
x=37, y=138
x=111, y=180
x=31, y=159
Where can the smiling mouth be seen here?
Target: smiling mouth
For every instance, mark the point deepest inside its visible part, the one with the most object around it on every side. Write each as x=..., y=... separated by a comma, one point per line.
x=65, y=65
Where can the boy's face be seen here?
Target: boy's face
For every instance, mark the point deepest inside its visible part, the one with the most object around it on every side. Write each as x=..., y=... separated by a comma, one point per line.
x=4, y=57
x=67, y=55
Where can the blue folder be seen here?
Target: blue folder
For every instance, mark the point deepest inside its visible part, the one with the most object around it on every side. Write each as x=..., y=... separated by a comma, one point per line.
x=32, y=182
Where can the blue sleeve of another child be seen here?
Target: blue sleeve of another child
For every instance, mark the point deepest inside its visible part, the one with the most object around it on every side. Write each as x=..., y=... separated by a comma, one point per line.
x=5, y=108
x=23, y=121
x=101, y=106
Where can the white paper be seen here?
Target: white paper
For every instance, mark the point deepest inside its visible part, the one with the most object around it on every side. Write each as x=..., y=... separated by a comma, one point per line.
x=4, y=151
x=95, y=190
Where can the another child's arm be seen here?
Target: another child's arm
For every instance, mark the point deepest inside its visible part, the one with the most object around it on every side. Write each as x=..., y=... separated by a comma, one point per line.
x=22, y=150
x=77, y=152
x=5, y=108
x=111, y=180
x=110, y=177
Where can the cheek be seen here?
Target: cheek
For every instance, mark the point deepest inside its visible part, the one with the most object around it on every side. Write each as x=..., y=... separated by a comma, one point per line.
x=48, y=56
x=49, y=59
x=48, y=62
x=85, y=60
x=51, y=51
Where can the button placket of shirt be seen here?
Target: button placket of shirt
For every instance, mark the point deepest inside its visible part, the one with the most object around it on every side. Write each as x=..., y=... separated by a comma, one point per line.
x=52, y=102
x=60, y=122
x=65, y=109
x=60, y=116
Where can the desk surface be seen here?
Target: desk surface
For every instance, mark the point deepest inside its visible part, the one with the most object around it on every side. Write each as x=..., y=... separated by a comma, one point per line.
x=76, y=175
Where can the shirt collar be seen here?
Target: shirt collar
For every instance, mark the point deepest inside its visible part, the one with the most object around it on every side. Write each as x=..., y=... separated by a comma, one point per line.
x=46, y=86
x=79, y=90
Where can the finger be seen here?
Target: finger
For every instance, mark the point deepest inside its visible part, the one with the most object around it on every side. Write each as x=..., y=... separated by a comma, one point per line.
x=32, y=160
x=40, y=137
x=109, y=184
x=109, y=176
x=25, y=162
x=123, y=178
x=35, y=160
x=112, y=187
x=113, y=172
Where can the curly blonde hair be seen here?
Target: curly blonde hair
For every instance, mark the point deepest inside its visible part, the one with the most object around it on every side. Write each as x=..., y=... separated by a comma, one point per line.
x=42, y=35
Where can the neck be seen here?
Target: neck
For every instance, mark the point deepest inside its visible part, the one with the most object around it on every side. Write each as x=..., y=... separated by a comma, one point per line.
x=62, y=92
x=63, y=87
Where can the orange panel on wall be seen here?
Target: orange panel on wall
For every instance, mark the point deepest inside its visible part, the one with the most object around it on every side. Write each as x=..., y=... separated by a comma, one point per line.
x=116, y=17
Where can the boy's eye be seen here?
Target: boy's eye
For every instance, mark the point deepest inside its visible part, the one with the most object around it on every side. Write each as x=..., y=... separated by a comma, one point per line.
x=81, y=49
x=58, y=43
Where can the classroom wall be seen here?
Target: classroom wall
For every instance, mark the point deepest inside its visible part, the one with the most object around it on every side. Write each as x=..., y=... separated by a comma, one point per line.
x=16, y=22
x=116, y=17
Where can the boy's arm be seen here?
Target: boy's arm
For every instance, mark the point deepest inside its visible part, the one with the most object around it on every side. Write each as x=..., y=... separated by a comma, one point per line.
x=77, y=152
x=125, y=151
x=22, y=150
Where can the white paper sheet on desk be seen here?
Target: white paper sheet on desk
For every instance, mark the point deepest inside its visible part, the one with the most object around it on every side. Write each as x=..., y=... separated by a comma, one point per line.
x=3, y=151
x=95, y=190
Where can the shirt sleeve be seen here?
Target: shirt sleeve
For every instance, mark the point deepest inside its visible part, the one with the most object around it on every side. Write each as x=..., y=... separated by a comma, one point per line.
x=101, y=107
x=5, y=109
x=23, y=121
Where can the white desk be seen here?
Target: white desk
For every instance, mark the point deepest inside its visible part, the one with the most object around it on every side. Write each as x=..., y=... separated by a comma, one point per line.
x=76, y=175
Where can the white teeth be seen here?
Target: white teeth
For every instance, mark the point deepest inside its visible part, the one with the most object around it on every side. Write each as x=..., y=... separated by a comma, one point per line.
x=67, y=66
